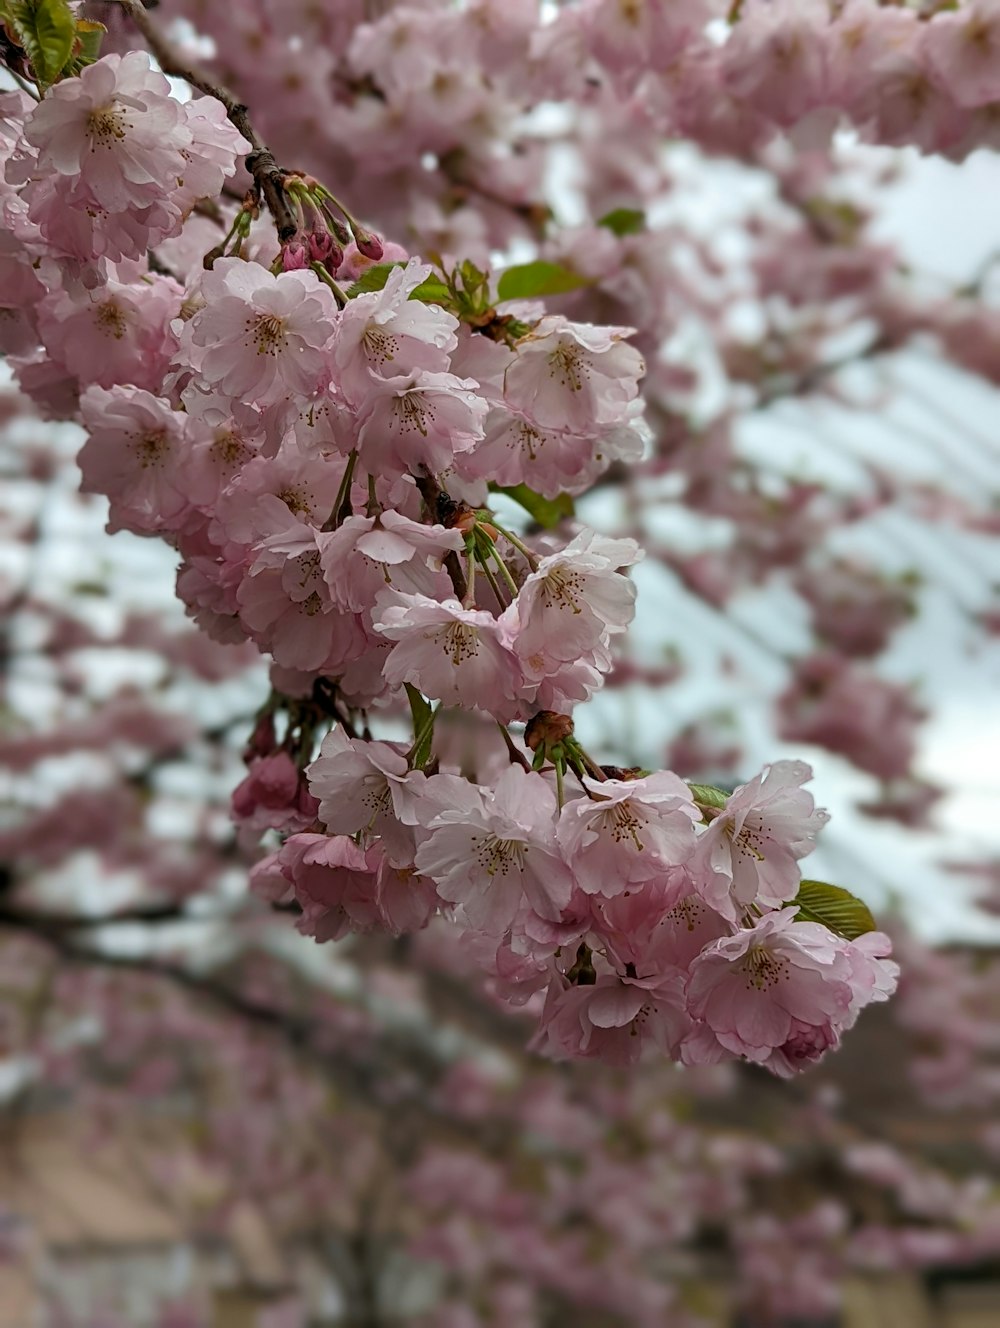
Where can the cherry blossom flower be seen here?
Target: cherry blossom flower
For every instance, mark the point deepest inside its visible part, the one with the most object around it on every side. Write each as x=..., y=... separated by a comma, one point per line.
x=626, y=832
x=570, y=606
x=574, y=375
x=360, y=787
x=114, y=130
x=366, y=554
x=261, y=337
x=779, y=993
x=498, y=849
x=454, y=655
x=134, y=453
x=420, y=420
x=389, y=335
x=749, y=853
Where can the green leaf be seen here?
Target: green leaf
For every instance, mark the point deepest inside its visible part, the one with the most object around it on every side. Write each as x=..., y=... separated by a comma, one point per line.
x=624, y=221
x=371, y=280
x=423, y=727
x=835, y=908
x=528, y=281
x=89, y=35
x=547, y=512
x=708, y=795
x=432, y=290
x=47, y=31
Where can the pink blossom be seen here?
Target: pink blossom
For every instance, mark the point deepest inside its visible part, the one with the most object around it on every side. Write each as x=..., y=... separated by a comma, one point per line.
x=517, y=451
x=611, y=1020
x=498, y=849
x=963, y=50
x=627, y=831
x=115, y=131
x=420, y=420
x=134, y=454
x=360, y=787
x=568, y=609
x=574, y=376
x=273, y=796
x=388, y=335
x=775, y=57
x=749, y=853
x=119, y=334
x=454, y=655
x=261, y=337
x=779, y=993
x=366, y=554
x=334, y=881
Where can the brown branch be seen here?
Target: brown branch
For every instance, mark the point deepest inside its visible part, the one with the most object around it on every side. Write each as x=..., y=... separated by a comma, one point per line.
x=267, y=174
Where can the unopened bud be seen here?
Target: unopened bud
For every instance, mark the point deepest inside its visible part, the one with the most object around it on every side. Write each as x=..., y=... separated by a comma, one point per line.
x=294, y=256
x=368, y=244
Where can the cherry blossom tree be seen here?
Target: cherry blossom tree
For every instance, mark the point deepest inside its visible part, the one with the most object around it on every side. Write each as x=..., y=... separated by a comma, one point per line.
x=413, y=449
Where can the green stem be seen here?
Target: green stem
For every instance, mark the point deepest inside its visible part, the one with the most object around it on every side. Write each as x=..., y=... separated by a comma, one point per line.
x=324, y=276
x=531, y=558
x=343, y=498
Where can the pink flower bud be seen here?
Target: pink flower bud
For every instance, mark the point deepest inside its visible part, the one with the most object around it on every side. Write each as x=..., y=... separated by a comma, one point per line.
x=368, y=244
x=294, y=256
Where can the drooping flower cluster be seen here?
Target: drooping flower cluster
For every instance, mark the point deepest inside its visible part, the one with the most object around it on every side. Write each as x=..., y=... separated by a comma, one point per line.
x=321, y=461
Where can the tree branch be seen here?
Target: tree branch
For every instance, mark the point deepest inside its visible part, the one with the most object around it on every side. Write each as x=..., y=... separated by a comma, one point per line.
x=268, y=176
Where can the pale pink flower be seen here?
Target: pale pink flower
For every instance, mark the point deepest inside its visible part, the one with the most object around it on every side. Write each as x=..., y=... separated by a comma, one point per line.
x=611, y=1020
x=360, y=786
x=366, y=554
x=497, y=850
x=963, y=50
x=452, y=654
x=626, y=832
x=261, y=337
x=387, y=335
x=781, y=992
x=550, y=461
x=334, y=881
x=134, y=455
x=750, y=852
x=420, y=420
x=574, y=376
x=115, y=334
x=302, y=630
x=775, y=57
x=273, y=796
x=567, y=610
x=115, y=130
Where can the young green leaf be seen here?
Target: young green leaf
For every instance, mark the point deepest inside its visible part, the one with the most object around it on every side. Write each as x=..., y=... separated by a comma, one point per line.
x=624, y=221
x=529, y=281
x=708, y=795
x=835, y=908
x=371, y=280
x=47, y=31
x=547, y=512
x=423, y=727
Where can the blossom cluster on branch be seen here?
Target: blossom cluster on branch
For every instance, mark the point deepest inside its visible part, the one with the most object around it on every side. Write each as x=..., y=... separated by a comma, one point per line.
x=320, y=460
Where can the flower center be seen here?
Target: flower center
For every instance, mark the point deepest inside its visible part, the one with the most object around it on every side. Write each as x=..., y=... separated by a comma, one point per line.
x=380, y=346
x=151, y=448
x=569, y=366
x=499, y=855
x=111, y=320
x=764, y=969
x=410, y=411
x=621, y=823
x=460, y=642
x=560, y=588
x=268, y=331
x=106, y=125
